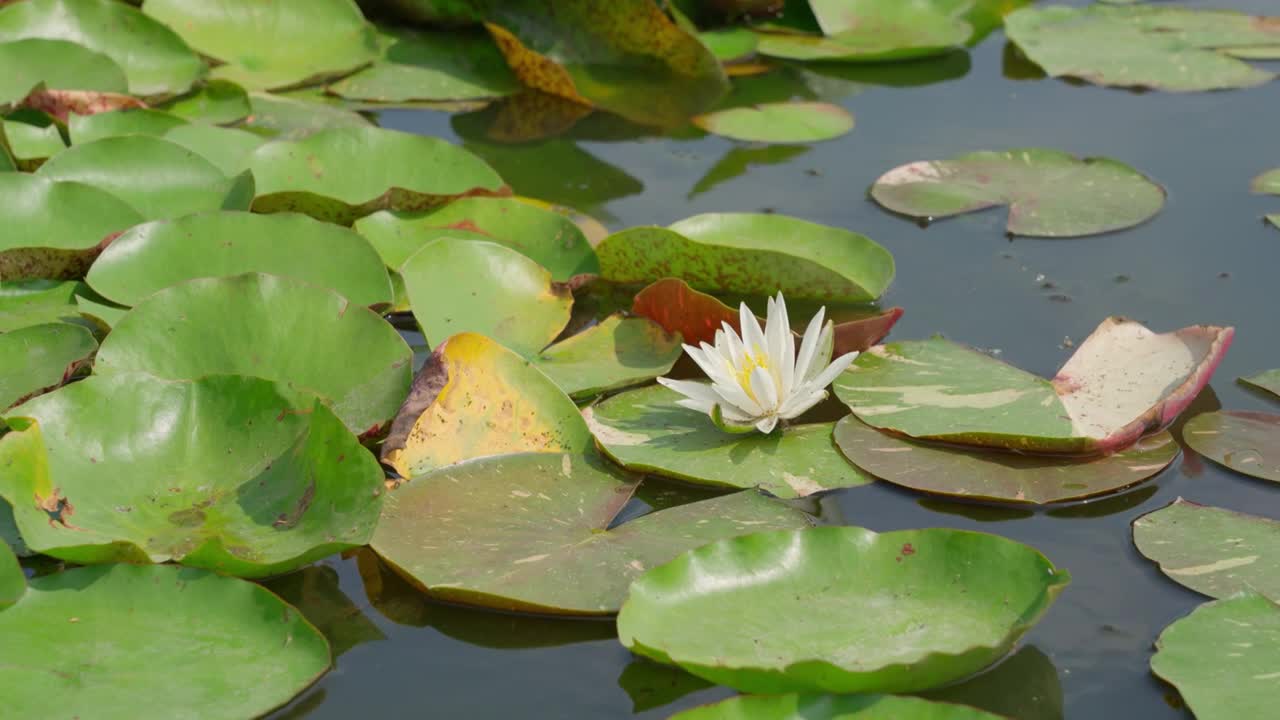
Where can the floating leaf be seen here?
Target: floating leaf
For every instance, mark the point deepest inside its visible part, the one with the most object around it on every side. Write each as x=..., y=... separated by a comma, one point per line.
x=741, y=253
x=41, y=357
x=730, y=43
x=157, y=255
x=1166, y=48
x=999, y=476
x=248, y=324
x=35, y=302
x=418, y=66
x=32, y=143
x=790, y=122
x=158, y=178
x=55, y=229
x=1223, y=658
x=297, y=486
x=547, y=237
x=12, y=582
x=227, y=148
x=276, y=44
x=1123, y=382
x=290, y=118
x=132, y=121
x=9, y=531
x=616, y=353
x=1268, y=381
x=1049, y=193
x=474, y=398
x=154, y=59
x=101, y=639
x=899, y=611
x=645, y=430
x=343, y=174
x=539, y=534
x=1242, y=441
x=876, y=30
x=1269, y=182
x=831, y=707
x=217, y=102
x=315, y=592
x=55, y=64
x=1211, y=550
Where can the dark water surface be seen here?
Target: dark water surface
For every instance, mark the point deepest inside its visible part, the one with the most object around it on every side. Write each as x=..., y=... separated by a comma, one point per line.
x=1207, y=258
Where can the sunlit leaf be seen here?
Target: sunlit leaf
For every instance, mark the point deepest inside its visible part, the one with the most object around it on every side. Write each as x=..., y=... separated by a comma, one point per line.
x=831, y=707
x=227, y=148
x=876, y=30
x=217, y=102
x=1247, y=442
x=57, y=65
x=134, y=121
x=41, y=357
x=793, y=122
x=291, y=118
x=617, y=352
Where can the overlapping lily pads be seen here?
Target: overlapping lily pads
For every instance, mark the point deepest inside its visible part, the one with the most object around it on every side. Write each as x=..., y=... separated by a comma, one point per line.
x=31, y=143
x=1242, y=441
x=615, y=353
x=431, y=66
x=646, y=431
x=216, y=102
x=129, y=121
x=533, y=532
x=840, y=609
x=55, y=64
x=248, y=324
x=831, y=707
x=41, y=357
x=1223, y=658
x=269, y=479
x=876, y=30
x=1049, y=193
x=1124, y=381
x=190, y=641
x=740, y=253
x=227, y=148
x=35, y=302
x=343, y=174
x=290, y=118
x=155, y=255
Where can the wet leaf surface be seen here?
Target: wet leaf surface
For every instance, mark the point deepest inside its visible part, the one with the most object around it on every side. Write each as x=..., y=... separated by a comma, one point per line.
x=39, y=358
x=1242, y=441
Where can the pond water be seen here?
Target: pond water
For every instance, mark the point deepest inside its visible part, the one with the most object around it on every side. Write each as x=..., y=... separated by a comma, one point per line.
x=1207, y=258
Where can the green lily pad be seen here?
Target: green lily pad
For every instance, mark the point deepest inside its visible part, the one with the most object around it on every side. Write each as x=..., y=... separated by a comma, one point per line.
x=1166, y=48
x=9, y=534
x=248, y=324
x=32, y=144
x=539, y=534
x=645, y=430
x=159, y=254
x=297, y=487
x=1212, y=550
x=343, y=174
x=831, y=707
x=55, y=229
x=41, y=357
x=57, y=65
x=131, y=121
x=876, y=30
x=1123, y=382
x=1000, y=476
x=289, y=118
x=740, y=253
x=418, y=66
x=158, y=178
x=217, y=102
x=1242, y=441
x=1049, y=193
x=730, y=43
x=1269, y=182
x=475, y=398
x=24, y=303
x=615, y=353
x=12, y=582
x=1223, y=658
x=1268, y=381
x=476, y=286
x=228, y=149
x=154, y=59
x=547, y=237
x=840, y=609
x=789, y=122
x=273, y=45
x=192, y=642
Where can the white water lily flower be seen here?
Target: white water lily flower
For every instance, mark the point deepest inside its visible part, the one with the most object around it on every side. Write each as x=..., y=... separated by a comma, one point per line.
x=758, y=379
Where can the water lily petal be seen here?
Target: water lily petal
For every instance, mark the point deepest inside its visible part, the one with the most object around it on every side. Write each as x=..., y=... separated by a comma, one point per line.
x=697, y=391
x=809, y=345
x=763, y=387
x=752, y=335
x=736, y=396
x=799, y=404
x=838, y=366
x=767, y=425
x=696, y=405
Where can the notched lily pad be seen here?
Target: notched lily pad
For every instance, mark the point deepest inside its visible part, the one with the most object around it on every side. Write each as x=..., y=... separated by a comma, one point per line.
x=1049, y=193
x=840, y=609
x=295, y=486
x=1247, y=442
x=1123, y=382
x=39, y=358
x=615, y=353
x=831, y=707
x=535, y=532
x=789, y=122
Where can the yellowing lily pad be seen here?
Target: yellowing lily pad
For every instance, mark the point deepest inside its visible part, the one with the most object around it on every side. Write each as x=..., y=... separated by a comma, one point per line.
x=790, y=122
x=1242, y=441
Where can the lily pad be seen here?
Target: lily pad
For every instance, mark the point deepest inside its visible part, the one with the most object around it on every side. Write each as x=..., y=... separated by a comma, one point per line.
x=227, y=148
x=730, y=43
x=9, y=531
x=296, y=487
x=289, y=118
x=1000, y=476
x=55, y=229
x=55, y=64
x=41, y=357
x=157, y=255
x=1268, y=381
x=343, y=174
x=539, y=533
x=615, y=353
x=876, y=30
x=1212, y=550
x=30, y=143
x=154, y=59
x=1269, y=182
x=1049, y=193
x=417, y=66
x=645, y=430
x=12, y=582
x=474, y=398
x=130, y=121
x=24, y=303
x=190, y=641
x=789, y=122
x=276, y=44
x=1223, y=658
x=741, y=253
x=158, y=178
x=217, y=102
x=247, y=325
x=544, y=236
x=831, y=707
x=840, y=609
x=459, y=286
x=1242, y=441
x=1166, y=48
x=1123, y=382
